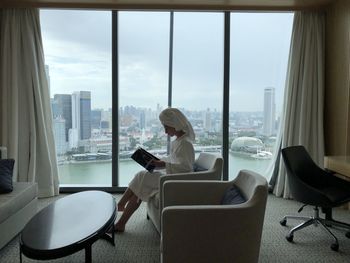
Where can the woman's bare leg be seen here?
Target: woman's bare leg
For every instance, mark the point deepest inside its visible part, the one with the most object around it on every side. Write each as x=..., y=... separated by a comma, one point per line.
x=125, y=198
x=131, y=207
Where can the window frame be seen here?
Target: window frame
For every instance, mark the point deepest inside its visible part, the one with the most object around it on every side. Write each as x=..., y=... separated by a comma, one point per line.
x=115, y=104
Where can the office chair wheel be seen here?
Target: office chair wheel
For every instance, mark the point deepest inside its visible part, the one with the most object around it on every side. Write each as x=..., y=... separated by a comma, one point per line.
x=283, y=222
x=347, y=234
x=290, y=237
x=335, y=247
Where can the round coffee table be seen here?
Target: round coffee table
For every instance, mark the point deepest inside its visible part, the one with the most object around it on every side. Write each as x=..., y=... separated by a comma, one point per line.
x=68, y=225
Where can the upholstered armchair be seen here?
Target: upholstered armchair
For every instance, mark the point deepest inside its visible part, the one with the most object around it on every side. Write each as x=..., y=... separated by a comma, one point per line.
x=208, y=166
x=196, y=227
x=16, y=207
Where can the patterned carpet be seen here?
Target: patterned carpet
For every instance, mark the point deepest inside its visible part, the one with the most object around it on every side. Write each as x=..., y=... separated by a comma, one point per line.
x=140, y=242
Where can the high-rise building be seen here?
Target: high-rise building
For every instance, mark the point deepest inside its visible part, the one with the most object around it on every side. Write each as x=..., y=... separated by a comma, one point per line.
x=207, y=120
x=269, y=111
x=81, y=114
x=106, y=119
x=142, y=120
x=104, y=124
x=73, y=138
x=47, y=72
x=64, y=109
x=56, y=111
x=96, y=117
x=59, y=134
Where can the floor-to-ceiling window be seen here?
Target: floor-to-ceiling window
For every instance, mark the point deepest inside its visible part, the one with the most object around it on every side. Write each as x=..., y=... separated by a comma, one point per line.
x=163, y=58
x=197, y=78
x=259, y=49
x=143, y=58
x=77, y=47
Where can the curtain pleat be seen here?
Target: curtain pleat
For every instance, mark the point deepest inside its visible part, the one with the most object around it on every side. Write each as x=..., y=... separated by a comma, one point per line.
x=26, y=119
x=302, y=120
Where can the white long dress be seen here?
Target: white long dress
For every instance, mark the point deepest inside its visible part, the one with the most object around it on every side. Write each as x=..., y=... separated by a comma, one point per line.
x=181, y=159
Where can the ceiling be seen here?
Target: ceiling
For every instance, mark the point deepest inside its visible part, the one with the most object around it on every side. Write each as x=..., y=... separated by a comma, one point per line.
x=173, y=4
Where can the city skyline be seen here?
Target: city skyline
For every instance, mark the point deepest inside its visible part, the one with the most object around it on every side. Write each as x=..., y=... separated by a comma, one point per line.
x=77, y=121
x=156, y=104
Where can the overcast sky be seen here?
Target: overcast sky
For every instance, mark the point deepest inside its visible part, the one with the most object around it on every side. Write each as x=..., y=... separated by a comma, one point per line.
x=77, y=46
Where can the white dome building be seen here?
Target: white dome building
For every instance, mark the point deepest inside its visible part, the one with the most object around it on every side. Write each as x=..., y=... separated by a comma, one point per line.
x=246, y=145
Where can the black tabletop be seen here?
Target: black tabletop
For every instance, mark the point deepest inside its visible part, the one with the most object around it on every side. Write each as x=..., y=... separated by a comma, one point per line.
x=69, y=220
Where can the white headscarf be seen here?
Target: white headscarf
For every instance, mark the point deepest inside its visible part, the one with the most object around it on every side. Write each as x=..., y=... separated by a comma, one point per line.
x=172, y=117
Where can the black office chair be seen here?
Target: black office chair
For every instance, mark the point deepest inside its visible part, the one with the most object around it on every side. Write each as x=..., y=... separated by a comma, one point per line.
x=311, y=185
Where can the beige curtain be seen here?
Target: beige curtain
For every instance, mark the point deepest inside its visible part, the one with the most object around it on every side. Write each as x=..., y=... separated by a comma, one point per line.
x=302, y=120
x=25, y=113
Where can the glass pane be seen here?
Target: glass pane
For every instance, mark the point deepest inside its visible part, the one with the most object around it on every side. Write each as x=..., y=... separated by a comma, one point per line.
x=78, y=66
x=143, y=39
x=198, y=74
x=259, y=55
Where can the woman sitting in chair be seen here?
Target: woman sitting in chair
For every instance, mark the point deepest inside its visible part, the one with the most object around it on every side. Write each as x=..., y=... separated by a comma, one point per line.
x=145, y=184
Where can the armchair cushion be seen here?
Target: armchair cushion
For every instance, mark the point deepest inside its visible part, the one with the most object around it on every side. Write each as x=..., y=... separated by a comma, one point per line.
x=233, y=196
x=6, y=170
x=198, y=168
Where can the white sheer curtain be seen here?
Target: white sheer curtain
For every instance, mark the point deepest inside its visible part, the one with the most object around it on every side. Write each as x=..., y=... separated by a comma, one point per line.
x=25, y=119
x=302, y=120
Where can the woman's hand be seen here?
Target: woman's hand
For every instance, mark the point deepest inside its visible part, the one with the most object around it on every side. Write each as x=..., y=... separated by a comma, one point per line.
x=158, y=163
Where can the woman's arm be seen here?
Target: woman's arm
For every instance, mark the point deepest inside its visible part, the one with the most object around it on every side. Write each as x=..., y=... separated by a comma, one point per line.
x=159, y=164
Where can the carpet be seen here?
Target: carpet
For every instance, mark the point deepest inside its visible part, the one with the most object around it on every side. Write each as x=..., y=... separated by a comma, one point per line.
x=140, y=242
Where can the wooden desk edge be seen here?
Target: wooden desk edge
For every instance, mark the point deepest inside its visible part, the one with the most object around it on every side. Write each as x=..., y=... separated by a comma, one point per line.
x=338, y=164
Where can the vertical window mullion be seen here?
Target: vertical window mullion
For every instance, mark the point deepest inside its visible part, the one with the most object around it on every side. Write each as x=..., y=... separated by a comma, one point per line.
x=115, y=102
x=170, y=76
x=171, y=50
x=226, y=96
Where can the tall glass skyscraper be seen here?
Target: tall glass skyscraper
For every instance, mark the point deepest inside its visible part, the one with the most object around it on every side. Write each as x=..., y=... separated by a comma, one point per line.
x=269, y=111
x=207, y=120
x=59, y=125
x=64, y=109
x=81, y=114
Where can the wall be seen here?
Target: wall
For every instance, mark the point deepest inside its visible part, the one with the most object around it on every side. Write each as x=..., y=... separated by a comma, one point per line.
x=172, y=4
x=337, y=117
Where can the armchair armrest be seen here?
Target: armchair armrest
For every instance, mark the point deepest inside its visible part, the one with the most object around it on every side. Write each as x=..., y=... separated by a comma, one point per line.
x=187, y=192
x=203, y=175
x=180, y=176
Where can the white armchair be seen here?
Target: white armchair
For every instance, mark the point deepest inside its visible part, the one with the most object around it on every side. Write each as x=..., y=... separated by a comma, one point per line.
x=16, y=207
x=209, y=167
x=197, y=228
